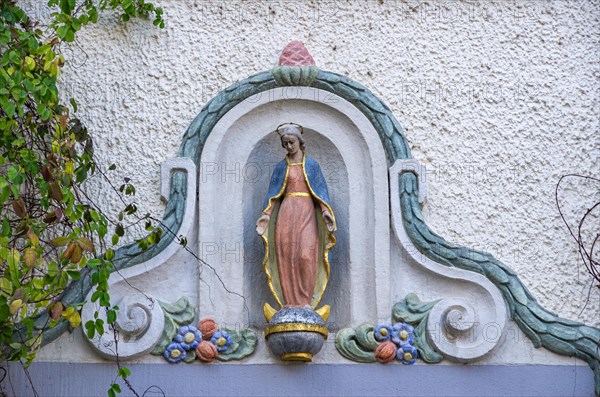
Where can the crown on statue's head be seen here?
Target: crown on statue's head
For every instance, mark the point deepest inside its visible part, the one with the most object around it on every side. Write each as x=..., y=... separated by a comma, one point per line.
x=290, y=129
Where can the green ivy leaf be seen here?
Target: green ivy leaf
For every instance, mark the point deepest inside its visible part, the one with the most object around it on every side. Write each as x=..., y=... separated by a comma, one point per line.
x=46, y=155
x=4, y=311
x=124, y=372
x=74, y=104
x=111, y=316
x=96, y=295
x=61, y=32
x=90, y=327
x=60, y=241
x=67, y=6
x=69, y=36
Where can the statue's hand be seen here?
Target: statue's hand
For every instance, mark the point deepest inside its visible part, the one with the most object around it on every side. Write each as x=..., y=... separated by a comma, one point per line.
x=329, y=221
x=262, y=223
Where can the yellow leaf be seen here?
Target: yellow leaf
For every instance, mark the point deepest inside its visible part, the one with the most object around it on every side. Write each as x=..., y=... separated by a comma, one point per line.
x=34, y=343
x=54, y=69
x=67, y=313
x=75, y=319
x=6, y=287
x=30, y=256
x=69, y=168
x=59, y=241
x=13, y=257
x=86, y=244
x=35, y=240
x=15, y=306
x=30, y=63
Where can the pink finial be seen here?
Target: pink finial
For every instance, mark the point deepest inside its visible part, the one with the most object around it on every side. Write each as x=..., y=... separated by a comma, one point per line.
x=295, y=54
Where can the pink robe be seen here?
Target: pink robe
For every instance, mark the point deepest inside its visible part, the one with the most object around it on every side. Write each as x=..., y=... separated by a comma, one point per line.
x=297, y=241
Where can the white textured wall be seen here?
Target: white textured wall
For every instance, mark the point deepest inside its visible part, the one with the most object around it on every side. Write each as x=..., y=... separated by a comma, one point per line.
x=499, y=99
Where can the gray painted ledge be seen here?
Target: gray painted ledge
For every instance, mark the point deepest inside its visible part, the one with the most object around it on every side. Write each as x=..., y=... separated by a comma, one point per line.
x=66, y=380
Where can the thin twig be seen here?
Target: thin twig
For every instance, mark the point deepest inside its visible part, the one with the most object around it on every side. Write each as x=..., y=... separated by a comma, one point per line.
x=118, y=362
x=28, y=375
x=592, y=266
x=214, y=270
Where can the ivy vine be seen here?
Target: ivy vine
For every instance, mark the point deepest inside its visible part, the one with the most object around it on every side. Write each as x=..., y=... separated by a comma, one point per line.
x=50, y=230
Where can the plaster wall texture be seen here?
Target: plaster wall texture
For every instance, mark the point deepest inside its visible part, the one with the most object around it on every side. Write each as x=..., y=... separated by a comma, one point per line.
x=498, y=99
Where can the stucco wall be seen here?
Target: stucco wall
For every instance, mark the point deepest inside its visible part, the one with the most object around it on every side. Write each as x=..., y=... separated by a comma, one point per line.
x=499, y=99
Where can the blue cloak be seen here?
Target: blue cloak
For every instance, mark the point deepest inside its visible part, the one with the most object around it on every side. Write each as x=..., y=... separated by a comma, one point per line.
x=318, y=187
x=314, y=179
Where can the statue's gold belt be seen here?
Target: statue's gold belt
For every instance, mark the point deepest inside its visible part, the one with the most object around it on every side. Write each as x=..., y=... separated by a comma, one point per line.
x=297, y=194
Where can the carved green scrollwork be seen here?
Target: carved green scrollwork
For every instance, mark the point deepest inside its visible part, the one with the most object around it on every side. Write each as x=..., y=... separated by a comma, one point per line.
x=357, y=344
x=544, y=328
x=177, y=315
x=416, y=313
x=360, y=344
x=243, y=343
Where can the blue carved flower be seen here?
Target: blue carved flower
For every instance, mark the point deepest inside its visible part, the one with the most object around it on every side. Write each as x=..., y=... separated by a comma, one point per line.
x=382, y=332
x=222, y=340
x=407, y=354
x=174, y=353
x=403, y=334
x=188, y=337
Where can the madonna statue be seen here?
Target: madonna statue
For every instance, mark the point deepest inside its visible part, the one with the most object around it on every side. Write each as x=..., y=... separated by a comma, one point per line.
x=296, y=225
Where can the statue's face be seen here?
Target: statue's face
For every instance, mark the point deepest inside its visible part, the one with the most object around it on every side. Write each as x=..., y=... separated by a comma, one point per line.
x=291, y=144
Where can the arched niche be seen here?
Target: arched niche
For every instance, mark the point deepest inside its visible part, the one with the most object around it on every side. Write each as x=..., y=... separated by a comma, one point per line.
x=234, y=171
x=266, y=153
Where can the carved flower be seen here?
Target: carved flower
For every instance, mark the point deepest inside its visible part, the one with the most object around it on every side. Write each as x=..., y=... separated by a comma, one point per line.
x=221, y=340
x=174, y=353
x=407, y=354
x=382, y=332
x=385, y=352
x=403, y=334
x=208, y=327
x=188, y=337
x=206, y=352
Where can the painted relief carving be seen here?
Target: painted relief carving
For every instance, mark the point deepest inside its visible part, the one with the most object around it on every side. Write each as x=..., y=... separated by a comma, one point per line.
x=478, y=289
x=405, y=339
x=182, y=341
x=296, y=226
